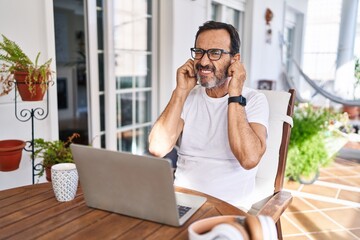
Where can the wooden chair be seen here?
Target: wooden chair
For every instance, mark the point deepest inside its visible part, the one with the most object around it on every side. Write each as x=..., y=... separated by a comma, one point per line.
x=271, y=200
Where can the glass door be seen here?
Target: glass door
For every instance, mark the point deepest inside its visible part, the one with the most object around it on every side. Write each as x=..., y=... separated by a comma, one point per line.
x=133, y=70
x=124, y=58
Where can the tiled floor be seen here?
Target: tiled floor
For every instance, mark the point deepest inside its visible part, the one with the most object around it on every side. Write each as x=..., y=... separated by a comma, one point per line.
x=328, y=208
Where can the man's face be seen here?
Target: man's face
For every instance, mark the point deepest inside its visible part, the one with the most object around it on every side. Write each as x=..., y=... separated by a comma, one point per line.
x=210, y=73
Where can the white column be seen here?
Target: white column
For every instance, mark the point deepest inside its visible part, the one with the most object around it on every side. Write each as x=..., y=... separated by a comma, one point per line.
x=345, y=55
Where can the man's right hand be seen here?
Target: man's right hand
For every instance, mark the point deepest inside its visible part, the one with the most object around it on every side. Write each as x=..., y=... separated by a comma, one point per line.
x=185, y=76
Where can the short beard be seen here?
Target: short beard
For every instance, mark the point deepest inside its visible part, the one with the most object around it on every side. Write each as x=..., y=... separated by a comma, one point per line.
x=215, y=81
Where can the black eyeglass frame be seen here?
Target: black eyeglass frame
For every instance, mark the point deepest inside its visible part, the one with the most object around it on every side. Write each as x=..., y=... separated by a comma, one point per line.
x=222, y=51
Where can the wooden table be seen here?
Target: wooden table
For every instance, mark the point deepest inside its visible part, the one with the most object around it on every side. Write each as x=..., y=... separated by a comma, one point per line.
x=32, y=212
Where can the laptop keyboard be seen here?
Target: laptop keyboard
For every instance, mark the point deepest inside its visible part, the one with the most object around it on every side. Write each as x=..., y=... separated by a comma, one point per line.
x=182, y=210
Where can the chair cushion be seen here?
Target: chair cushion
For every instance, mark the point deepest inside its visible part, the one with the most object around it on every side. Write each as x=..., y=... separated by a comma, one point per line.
x=265, y=177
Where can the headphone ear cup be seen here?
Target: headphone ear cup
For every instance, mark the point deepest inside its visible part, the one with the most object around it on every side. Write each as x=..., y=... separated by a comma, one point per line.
x=268, y=227
x=253, y=227
x=229, y=231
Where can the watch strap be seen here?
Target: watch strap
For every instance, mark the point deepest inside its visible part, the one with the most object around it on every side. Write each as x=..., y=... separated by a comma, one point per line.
x=239, y=99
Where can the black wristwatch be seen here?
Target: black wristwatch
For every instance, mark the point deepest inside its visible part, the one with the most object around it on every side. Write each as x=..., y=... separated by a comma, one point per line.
x=240, y=99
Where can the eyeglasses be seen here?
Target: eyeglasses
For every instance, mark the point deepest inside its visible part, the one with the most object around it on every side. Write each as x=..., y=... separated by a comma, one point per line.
x=213, y=54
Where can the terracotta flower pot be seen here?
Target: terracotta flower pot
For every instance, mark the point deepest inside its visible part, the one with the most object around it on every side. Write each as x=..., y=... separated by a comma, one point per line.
x=353, y=111
x=48, y=173
x=10, y=154
x=36, y=94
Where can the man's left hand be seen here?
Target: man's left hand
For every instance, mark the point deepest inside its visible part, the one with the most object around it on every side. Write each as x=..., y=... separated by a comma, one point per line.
x=237, y=73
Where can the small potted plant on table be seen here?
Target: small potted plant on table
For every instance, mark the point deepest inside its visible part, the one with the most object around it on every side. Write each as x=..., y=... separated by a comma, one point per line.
x=53, y=152
x=32, y=79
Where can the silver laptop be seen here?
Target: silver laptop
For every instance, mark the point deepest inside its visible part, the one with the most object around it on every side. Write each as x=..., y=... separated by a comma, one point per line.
x=133, y=185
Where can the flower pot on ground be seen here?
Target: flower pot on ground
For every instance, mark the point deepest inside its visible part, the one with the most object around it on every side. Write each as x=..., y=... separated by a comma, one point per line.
x=309, y=178
x=10, y=154
x=314, y=142
x=53, y=152
x=352, y=111
x=28, y=74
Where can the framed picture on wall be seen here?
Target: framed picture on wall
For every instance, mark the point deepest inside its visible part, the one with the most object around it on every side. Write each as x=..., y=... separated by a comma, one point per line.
x=66, y=90
x=62, y=93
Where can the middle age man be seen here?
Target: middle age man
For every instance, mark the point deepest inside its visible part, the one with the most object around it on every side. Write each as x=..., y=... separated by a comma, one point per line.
x=221, y=125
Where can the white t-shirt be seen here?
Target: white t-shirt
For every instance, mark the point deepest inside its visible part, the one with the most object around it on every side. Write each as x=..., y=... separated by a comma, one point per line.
x=205, y=160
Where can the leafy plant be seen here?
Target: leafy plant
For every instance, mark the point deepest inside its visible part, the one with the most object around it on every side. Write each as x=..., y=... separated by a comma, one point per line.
x=53, y=152
x=307, y=150
x=357, y=75
x=15, y=60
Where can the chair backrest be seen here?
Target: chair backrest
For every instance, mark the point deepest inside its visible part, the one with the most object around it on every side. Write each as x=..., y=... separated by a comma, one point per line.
x=270, y=175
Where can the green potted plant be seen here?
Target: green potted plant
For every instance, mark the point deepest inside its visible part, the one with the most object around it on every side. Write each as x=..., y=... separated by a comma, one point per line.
x=53, y=152
x=357, y=75
x=311, y=142
x=354, y=111
x=32, y=79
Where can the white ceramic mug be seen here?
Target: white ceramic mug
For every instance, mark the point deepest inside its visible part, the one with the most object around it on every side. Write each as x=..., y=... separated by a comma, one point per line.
x=64, y=181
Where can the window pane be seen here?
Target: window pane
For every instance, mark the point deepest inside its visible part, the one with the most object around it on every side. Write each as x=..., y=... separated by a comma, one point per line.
x=130, y=66
x=143, y=104
x=215, y=8
x=101, y=72
x=124, y=109
x=124, y=68
x=102, y=112
x=142, y=145
x=125, y=141
x=103, y=142
x=131, y=25
x=134, y=141
x=124, y=82
x=142, y=68
x=100, y=29
x=232, y=17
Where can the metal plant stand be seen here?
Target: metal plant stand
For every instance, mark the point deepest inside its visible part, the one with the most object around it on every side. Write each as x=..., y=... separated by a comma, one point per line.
x=25, y=115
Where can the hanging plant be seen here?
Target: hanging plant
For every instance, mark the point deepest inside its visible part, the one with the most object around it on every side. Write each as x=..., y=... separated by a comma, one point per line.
x=17, y=65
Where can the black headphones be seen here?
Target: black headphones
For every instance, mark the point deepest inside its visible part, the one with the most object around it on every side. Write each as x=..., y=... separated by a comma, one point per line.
x=233, y=228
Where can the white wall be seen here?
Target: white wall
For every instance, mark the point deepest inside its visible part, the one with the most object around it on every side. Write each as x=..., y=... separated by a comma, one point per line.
x=30, y=24
x=266, y=57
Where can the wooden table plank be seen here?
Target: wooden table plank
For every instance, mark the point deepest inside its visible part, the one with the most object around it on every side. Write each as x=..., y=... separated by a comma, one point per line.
x=25, y=209
x=35, y=219
x=75, y=225
x=22, y=194
x=140, y=231
x=109, y=227
x=53, y=223
x=28, y=205
x=11, y=192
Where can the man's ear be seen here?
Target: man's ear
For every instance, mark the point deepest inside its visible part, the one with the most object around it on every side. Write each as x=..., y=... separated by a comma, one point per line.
x=236, y=57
